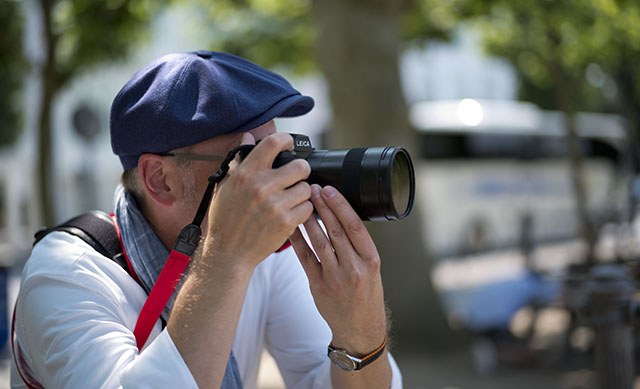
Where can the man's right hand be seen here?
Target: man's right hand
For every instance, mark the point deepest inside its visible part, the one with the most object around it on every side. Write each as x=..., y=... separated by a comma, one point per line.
x=256, y=208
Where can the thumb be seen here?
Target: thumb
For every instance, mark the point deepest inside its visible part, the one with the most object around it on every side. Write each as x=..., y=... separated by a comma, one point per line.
x=248, y=139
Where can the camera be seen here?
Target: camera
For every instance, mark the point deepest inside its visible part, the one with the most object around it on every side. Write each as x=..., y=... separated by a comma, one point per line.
x=378, y=182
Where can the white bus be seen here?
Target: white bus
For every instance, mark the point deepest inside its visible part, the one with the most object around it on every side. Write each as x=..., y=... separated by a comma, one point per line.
x=487, y=166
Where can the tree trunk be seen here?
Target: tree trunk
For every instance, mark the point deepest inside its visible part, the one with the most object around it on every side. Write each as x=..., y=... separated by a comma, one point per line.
x=563, y=94
x=48, y=91
x=586, y=226
x=629, y=97
x=358, y=46
x=628, y=83
x=45, y=160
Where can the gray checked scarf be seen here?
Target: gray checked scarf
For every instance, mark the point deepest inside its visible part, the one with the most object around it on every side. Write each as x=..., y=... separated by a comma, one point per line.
x=148, y=255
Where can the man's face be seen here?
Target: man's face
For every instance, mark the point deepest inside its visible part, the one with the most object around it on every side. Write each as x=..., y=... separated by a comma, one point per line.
x=196, y=175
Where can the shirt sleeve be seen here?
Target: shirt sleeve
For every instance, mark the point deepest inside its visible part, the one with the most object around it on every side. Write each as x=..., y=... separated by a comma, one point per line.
x=296, y=334
x=159, y=366
x=75, y=320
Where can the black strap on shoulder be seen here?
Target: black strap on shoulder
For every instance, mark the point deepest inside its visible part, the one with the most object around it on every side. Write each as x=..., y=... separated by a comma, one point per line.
x=97, y=230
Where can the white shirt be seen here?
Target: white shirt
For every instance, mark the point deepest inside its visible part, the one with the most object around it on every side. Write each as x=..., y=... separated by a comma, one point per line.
x=76, y=313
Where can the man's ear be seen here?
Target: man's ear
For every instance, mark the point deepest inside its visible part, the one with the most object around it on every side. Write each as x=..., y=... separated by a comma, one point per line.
x=155, y=175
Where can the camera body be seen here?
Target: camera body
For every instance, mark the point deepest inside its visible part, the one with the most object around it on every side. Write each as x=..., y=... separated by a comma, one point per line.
x=378, y=182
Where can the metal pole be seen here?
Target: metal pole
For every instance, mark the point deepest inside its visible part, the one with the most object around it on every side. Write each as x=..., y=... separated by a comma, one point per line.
x=610, y=305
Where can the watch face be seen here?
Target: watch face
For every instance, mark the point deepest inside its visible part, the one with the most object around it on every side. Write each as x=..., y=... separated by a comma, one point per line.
x=342, y=360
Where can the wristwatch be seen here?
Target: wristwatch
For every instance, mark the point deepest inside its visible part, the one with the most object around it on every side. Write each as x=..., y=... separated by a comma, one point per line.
x=341, y=358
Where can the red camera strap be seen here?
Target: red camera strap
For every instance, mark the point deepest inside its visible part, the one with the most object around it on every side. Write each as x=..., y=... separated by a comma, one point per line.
x=132, y=272
x=18, y=359
x=160, y=293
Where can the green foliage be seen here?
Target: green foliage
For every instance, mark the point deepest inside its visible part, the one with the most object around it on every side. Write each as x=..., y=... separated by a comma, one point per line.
x=12, y=70
x=543, y=38
x=87, y=32
x=434, y=19
x=83, y=33
x=536, y=34
x=283, y=32
x=269, y=32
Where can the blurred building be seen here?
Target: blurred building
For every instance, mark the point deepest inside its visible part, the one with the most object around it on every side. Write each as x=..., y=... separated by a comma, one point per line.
x=456, y=70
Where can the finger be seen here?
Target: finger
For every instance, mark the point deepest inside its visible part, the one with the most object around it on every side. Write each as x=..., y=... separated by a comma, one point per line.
x=321, y=244
x=247, y=139
x=291, y=173
x=295, y=195
x=350, y=222
x=262, y=156
x=300, y=213
x=306, y=257
x=337, y=235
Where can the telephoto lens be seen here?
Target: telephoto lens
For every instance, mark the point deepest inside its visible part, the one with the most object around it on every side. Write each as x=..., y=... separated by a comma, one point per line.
x=378, y=182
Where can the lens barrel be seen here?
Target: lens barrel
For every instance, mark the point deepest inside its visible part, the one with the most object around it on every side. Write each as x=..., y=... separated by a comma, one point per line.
x=378, y=182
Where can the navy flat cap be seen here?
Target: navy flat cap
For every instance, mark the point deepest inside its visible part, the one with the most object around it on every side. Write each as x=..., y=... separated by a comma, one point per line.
x=182, y=99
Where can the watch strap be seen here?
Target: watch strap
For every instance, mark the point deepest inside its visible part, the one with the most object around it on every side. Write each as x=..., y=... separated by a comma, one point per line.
x=360, y=363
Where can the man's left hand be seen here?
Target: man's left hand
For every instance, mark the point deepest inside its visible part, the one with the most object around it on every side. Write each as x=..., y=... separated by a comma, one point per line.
x=345, y=276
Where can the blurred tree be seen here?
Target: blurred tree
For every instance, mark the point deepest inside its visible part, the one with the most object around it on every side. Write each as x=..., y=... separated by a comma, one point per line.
x=357, y=44
x=428, y=20
x=571, y=55
x=548, y=41
x=76, y=35
x=269, y=32
x=598, y=43
x=616, y=55
x=12, y=70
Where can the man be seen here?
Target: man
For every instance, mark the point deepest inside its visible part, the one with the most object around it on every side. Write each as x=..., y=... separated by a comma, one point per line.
x=171, y=125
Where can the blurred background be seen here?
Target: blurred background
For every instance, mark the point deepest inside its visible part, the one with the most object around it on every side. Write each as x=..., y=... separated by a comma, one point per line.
x=517, y=267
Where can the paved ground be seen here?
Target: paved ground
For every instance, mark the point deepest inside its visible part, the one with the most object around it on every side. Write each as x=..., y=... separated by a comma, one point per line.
x=456, y=371
x=452, y=371
x=4, y=374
